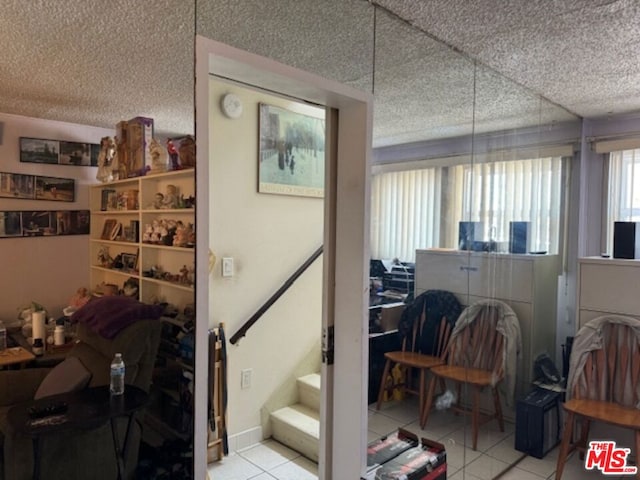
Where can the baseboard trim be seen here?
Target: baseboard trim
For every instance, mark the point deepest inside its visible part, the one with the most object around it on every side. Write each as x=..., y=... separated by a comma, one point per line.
x=245, y=439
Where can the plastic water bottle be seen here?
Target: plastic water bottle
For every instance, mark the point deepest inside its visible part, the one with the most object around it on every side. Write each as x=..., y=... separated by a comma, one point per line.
x=117, y=375
x=3, y=337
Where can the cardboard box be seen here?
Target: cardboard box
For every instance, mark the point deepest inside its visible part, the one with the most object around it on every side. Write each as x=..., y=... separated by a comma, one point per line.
x=390, y=316
x=386, y=448
x=139, y=135
x=424, y=461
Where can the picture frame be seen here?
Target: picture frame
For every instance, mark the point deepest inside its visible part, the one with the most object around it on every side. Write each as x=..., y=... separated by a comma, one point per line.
x=55, y=189
x=16, y=185
x=36, y=187
x=58, y=152
x=129, y=261
x=108, y=227
x=115, y=231
x=291, y=151
x=44, y=223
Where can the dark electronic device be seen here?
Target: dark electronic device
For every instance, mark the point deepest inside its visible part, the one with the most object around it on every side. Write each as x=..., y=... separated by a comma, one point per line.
x=626, y=240
x=469, y=234
x=519, y=237
x=538, y=422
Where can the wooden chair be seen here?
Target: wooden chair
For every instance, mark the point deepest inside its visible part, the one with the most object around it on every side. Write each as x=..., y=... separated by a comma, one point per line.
x=603, y=382
x=411, y=357
x=475, y=358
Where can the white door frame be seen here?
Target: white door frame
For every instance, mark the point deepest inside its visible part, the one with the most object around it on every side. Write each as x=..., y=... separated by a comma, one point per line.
x=346, y=248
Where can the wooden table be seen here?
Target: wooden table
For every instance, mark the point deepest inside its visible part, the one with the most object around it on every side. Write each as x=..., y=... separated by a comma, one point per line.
x=15, y=355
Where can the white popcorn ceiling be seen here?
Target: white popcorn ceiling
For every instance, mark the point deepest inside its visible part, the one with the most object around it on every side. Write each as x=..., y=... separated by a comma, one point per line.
x=96, y=62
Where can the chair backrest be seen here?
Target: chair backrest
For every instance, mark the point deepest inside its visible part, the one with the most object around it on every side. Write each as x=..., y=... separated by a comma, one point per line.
x=605, y=361
x=138, y=343
x=478, y=343
x=427, y=322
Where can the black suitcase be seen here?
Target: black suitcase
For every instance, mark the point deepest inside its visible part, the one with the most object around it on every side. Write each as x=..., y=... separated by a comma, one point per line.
x=538, y=422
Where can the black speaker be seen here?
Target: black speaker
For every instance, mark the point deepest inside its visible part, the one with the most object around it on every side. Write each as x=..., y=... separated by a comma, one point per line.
x=538, y=422
x=468, y=234
x=519, y=237
x=626, y=240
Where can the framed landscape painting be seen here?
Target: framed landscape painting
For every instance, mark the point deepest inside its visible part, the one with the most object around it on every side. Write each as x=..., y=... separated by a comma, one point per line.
x=291, y=151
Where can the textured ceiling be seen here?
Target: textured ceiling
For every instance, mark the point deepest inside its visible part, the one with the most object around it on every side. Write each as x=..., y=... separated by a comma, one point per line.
x=95, y=62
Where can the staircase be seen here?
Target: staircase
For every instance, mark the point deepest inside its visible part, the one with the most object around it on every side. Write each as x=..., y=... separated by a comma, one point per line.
x=298, y=426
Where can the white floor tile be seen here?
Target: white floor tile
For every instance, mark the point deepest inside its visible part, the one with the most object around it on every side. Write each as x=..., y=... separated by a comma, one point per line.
x=505, y=451
x=486, y=468
x=487, y=437
x=381, y=424
x=518, y=474
x=458, y=455
x=462, y=475
x=263, y=476
x=233, y=467
x=298, y=469
x=268, y=454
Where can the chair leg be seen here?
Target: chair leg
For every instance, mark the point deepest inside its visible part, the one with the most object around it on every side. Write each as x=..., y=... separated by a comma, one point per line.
x=443, y=385
x=428, y=403
x=584, y=436
x=421, y=392
x=383, y=383
x=498, y=408
x=475, y=416
x=564, y=445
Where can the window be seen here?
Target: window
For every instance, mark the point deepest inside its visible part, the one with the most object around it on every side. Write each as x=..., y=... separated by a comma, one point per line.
x=421, y=208
x=497, y=193
x=405, y=213
x=624, y=190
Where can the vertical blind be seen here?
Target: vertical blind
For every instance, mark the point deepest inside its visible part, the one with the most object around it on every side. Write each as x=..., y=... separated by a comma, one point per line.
x=497, y=193
x=405, y=212
x=623, y=189
x=421, y=208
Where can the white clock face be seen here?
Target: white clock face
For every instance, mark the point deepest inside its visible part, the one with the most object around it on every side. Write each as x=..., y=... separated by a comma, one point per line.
x=231, y=105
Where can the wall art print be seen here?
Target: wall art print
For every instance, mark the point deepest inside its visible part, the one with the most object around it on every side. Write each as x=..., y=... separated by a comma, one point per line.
x=35, y=187
x=58, y=152
x=43, y=223
x=291, y=152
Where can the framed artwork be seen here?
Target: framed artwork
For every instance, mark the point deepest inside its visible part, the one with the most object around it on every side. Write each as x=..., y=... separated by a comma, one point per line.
x=129, y=261
x=42, y=223
x=16, y=185
x=35, y=187
x=57, y=152
x=291, y=152
x=55, y=189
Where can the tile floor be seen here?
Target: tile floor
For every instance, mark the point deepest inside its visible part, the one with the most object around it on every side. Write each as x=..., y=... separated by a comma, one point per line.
x=494, y=458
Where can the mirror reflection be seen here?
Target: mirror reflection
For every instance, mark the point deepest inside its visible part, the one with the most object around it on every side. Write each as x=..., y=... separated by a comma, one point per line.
x=468, y=217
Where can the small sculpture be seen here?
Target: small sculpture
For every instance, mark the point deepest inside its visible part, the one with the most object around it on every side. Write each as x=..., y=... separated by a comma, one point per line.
x=187, y=152
x=159, y=157
x=171, y=197
x=173, y=154
x=158, y=201
x=104, y=259
x=105, y=158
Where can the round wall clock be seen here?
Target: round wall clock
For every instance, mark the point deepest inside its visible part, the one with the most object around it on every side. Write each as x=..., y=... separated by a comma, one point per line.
x=231, y=105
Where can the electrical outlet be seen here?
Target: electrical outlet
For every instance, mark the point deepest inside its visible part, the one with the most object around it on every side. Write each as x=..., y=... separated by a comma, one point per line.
x=245, y=379
x=227, y=266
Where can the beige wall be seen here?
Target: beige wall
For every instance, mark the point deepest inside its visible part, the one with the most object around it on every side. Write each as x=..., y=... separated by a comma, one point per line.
x=45, y=269
x=268, y=236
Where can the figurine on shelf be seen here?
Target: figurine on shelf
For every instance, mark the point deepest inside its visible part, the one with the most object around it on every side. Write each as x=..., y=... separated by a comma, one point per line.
x=80, y=298
x=184, y=275
x=171, y=197
x=105, y=157
x=173, y=154
x=187, y=152
x=148, y=232
x=104, y=259
x=159, y=157
x=158, y=201
x=123, y=158
x=181, y=238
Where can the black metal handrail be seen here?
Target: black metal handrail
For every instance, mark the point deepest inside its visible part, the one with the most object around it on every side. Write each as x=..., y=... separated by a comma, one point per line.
x=274, y=298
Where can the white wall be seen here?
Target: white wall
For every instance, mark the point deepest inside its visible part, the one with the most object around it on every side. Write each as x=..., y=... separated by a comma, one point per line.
x=269, y=237
x=44, y=269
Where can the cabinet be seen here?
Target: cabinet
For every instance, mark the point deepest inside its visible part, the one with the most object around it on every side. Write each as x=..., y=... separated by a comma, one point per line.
x=607, y=286
x=527, y=283
x=128, y=220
